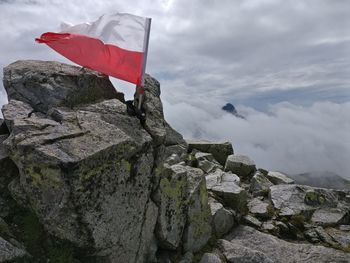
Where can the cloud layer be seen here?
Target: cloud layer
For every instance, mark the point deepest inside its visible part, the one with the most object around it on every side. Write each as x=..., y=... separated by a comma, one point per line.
x=289, y=138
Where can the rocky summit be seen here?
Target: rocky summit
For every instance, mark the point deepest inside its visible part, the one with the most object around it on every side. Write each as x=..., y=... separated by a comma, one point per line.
x=81, y=180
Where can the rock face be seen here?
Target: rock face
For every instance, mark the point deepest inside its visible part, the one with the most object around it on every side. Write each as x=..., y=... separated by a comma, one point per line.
x=88, y=170
x=272, y=249
x=46, y=84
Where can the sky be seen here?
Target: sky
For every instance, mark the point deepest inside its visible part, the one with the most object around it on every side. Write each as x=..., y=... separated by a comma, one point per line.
x=284, y=64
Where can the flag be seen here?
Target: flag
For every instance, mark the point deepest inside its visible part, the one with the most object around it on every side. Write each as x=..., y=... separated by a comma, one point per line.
x=115, y=45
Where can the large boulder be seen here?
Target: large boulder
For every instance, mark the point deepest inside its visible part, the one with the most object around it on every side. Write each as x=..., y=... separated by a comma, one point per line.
x=241, y=165
x=279, y=250
x=292, y=199
x=172, y=199
x=10, y=253
x=220, y=150
x=235, y=252
x=259, y=184
x=87, y=184
x=279, y=178
x=222, y=219
x=47, y=84
x=198, y=229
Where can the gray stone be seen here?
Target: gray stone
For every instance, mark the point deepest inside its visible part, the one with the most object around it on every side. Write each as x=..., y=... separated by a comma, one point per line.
x=172, y=199
x=259, y=184
x=220, y=150
x=198, y=230
x=218, y=177
x=241, y=165
x=179, y=149
x=236, y=253
x=279, y=178
x=47, y=84
x=187, y=258
x=260, y=209
x=268, y=226
x=172, y=159
x=210, y=258
x=251, y=221
x=293, y=199
x=283, y=251
x=330, y=216
x=344, y=227
x=155, y=124
x=340, y=237
x=206, y=162
x=222, y=219
x=15, y=110
x=10, y=253
x=233, y=196
x=89, y=185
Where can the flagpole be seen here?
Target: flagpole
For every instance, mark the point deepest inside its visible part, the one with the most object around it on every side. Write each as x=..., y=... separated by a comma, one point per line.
x=146, y=41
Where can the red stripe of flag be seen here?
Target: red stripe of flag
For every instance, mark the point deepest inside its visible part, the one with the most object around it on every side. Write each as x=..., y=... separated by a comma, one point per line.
x=94, y=54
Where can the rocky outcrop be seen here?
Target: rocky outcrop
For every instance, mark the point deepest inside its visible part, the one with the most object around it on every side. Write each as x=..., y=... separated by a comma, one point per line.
x=47, y=84
x=83, y=181
x=88, y=171
x=261, y=247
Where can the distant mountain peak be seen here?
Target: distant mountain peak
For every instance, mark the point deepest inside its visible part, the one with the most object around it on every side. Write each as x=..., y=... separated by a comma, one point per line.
x=231, y=109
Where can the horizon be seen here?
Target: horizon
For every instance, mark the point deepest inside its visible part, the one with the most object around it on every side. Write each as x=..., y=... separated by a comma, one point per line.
x=284, y=65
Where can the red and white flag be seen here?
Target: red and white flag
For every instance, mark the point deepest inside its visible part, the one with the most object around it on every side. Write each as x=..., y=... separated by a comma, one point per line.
x=115, y=45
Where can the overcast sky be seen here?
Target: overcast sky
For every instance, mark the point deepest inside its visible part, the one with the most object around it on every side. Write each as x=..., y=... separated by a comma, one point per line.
x=284, y=64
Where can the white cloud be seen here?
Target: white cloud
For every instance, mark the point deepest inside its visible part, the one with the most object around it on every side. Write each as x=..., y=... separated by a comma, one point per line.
x=289, y=138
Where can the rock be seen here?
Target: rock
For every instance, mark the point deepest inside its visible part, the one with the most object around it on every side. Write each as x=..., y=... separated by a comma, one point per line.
x=222, y=219
x=340, y=237
x=330, y=216
x=198, y=229
x=88, y=185
x=268, y=226
x=283, y=251
x=172, y=198
x=10, y=253
x=233, y=196
x=220, y=150
x=293, y=199
x=155, y=124
x=235, y=252
x=173, y=159
x=279, y=178
x=15, y=110
x=218, y=178
x=260, y=209
x=251, y=221
x=210, y=258
x=344, y=227
x=187, y=258
x=206, y=162
x=8, y=172
x=260, y=185
x=179, y=149
x=3, y=127
x=173, y=137
x=48, y=84
x=240, y=165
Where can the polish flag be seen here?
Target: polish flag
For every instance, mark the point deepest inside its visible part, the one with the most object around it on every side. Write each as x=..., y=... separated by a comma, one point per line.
x=115, y=45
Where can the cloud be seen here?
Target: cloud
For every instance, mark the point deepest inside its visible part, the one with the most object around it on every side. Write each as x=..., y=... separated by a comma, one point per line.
x=289, y=138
